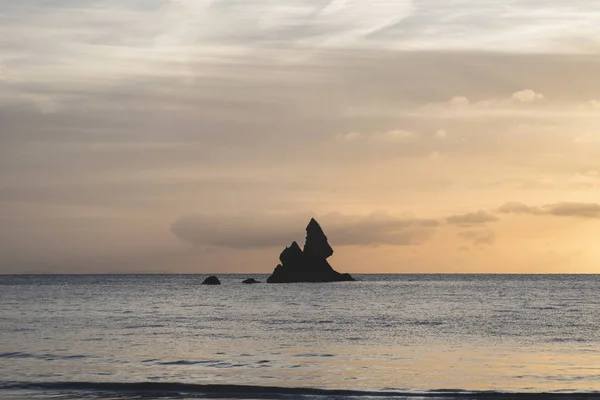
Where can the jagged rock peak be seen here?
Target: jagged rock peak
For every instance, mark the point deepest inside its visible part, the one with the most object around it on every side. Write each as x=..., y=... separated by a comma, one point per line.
x=316, y=244
x=310, y=264
x=294, y=247
x=314, y=225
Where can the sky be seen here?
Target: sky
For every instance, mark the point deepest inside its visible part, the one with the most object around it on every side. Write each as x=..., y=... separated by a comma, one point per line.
x=200, y=136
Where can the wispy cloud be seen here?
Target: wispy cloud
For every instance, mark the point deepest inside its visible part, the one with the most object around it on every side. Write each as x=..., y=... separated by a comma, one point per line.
x=478, y=237
x=563, y=209
x=526, y=96
x=257, y=230
x=389, y=136
x=473, y=218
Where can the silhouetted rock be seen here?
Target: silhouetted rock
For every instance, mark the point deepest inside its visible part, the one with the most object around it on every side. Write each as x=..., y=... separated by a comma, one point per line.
x=316, y=245
x=310, y=264
x=211, y=280
x=250, y=280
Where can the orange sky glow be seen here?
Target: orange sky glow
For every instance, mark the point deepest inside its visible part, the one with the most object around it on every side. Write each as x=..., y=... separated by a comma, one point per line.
x=201, y=136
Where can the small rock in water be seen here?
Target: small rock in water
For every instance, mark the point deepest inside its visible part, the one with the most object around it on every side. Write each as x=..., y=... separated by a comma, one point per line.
x=250, y=280
x=211, y=280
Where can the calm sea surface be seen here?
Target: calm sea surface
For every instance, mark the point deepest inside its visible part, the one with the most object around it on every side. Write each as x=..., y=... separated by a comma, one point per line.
x=396, y=336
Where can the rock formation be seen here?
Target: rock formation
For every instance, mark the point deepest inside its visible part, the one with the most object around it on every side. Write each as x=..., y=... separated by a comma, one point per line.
x=211, y=280
x=250, y=280
x=310, y=264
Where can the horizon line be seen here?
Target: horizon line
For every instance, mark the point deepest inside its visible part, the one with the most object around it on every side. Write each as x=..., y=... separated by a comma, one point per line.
x=268, y=273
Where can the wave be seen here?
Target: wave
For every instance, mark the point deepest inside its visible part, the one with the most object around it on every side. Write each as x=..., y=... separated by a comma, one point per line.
x=48, y=357
x=186, y=390
x=214, y=363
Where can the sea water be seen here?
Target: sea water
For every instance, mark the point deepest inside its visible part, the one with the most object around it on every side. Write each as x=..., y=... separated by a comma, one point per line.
x=384, y=336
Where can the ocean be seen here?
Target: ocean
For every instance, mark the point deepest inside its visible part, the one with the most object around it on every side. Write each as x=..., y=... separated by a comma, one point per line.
x=384, y=336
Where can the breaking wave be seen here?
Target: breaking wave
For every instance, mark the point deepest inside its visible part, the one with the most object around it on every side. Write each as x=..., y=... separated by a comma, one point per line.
x=186, y=390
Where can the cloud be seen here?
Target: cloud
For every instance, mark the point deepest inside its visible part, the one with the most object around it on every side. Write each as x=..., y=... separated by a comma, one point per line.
x=392, y=135
x=521, y=96
x=474, y=218
x=583, y=210
x=350, y=136
x=526, y=96
x=528, y=26
x=258, y=230
x=515, y=207
x=513, y=104
x=441, y=134
x=563, y=209
x=479, y=236
x=253, y=230
x=459, y=101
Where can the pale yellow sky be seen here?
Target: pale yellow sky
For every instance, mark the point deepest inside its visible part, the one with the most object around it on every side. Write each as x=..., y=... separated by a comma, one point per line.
x=201, y=136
